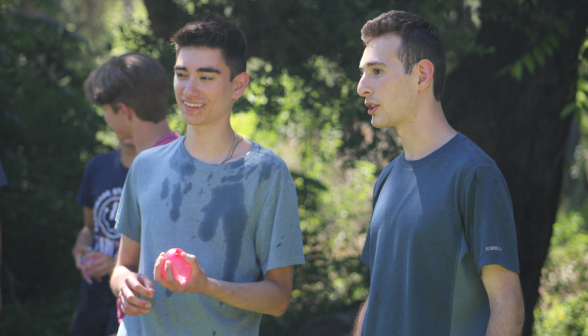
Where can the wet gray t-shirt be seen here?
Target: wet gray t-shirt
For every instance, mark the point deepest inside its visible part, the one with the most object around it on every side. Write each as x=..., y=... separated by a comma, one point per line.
x=437, y=221
x=240, y=219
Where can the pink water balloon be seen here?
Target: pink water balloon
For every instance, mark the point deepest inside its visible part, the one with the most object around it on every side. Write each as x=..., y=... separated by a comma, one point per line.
x=180, y=267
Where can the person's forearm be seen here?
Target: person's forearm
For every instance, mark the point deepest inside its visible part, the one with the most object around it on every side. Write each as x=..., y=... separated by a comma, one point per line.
x=360, y=316
x=506, y=318
x=118, y=276
x=84, y=239
x=265, y=297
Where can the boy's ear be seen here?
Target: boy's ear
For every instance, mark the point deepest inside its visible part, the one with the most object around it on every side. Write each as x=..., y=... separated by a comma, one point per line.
x=240, y=83
x=126, y=110
x=425, y=70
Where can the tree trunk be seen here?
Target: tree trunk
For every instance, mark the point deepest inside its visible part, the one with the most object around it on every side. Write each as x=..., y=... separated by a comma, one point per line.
x=166, y=17
x=518, y=123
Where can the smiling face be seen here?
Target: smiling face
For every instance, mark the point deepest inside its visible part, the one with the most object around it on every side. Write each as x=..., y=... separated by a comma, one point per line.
x=390, y=94
x=203, y=88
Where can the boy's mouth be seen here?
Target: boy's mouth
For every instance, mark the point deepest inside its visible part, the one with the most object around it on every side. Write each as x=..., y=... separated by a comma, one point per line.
x=193, y=105
x=371, y=107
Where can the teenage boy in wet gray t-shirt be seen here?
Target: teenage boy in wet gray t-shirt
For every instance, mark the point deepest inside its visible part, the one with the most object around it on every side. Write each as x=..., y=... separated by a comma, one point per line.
x=240, y=219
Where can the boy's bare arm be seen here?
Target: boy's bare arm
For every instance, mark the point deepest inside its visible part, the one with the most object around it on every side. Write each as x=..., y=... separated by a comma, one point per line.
x=360, y=316
x=270, y=296
x=100, y=264
x=84, y=241
x=507, y=311
x=126, y=284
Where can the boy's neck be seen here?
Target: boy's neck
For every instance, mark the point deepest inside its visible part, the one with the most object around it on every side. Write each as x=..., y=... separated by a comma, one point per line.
x=127, y=154
x=146, y=133
x=425, y=133
x=212, y=143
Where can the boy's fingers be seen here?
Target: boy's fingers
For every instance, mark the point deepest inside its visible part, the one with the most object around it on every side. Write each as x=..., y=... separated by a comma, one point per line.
x=191, y=259
x=132, y=305
x=168, y=271
x=132, y=290
x=134, y=284
x=148, y=285
x=86, y=277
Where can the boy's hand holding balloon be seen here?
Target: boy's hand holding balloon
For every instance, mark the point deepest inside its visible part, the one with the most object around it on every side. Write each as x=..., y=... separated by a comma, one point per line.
x=179, y=272
x=97, y=265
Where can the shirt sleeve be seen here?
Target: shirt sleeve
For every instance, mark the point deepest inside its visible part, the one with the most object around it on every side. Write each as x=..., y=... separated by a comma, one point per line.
x=365, y=253
x=85, y=193
x=489, y=221
x=278, y=239
x=128, y=216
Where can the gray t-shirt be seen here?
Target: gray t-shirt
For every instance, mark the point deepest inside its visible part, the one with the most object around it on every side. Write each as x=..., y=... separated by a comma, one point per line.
x=240, y=219
x=436, y=222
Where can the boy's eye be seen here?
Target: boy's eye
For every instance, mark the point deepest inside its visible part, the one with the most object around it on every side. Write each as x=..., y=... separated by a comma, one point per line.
x=179, y=74
x=377, y=71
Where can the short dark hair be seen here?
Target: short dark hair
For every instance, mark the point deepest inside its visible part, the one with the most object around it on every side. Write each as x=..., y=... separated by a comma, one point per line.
x=135, y=79
x=420, y=40
x=216, y=32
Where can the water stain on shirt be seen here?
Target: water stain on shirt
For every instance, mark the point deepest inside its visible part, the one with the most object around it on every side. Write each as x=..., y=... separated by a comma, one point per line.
x=265, y=171
x=227, y=203
x=185, y=170
x=188, y=187
x=234, y=178
x=164, y=189
x=176, y=199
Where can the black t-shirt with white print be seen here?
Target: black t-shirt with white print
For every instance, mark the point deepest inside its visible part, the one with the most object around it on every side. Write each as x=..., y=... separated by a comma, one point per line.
x=101, y=188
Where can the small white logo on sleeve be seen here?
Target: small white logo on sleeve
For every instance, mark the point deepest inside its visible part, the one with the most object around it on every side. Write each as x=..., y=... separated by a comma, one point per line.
x=493, y=248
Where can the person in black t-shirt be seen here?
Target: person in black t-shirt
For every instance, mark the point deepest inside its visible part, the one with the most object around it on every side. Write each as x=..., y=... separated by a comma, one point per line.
x=132, y=91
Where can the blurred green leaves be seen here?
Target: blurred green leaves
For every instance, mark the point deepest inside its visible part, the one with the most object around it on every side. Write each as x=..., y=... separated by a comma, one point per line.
x=47, y=134
x=563, y=307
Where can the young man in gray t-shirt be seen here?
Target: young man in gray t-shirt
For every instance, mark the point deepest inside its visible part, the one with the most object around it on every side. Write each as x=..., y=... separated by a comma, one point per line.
x=229, y=203
x=441, y=246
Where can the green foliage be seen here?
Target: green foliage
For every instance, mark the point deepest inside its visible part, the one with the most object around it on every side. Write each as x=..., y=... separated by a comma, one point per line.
x=563, y=307
x=47, y=315
x=575, y=186
x=47, y=134
x=542, y=32
x=301, y=123
x=301, y=103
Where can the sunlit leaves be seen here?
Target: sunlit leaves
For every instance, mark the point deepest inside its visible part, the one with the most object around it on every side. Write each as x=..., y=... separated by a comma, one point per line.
x=562, y=309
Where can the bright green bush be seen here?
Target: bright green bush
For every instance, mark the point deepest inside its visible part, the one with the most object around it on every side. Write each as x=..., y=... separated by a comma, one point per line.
x=563, y=307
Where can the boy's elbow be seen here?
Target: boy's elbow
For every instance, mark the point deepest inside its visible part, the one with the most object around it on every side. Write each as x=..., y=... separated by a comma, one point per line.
x=521, y=311
x=281, y=308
